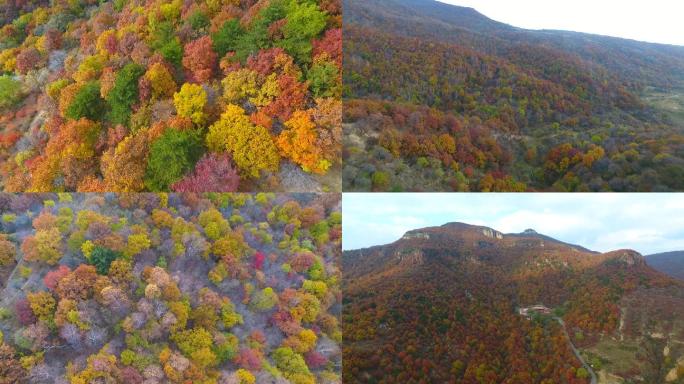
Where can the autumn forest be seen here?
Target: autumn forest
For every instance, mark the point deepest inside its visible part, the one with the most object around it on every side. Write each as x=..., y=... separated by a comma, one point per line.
x=173, y=177
x=441, y=98
x=194, y=96
x=170, y=288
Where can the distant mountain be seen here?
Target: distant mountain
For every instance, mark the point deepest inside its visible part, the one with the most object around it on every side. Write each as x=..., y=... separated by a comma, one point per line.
x=486, y=106
x=639, y=62
x=671, y=263
x=532, y=233
x=445, y=304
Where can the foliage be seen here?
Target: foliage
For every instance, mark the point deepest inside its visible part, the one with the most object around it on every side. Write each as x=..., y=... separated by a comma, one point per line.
x=171, y=156
x=190, y=102
x=102, y=258
x=87, y=103
x=200, y=59
x=10, y=91
x=161, y=81
x=298, y=141
x=7, y=252
x=250, y=146
x=126, y=67
x=304, y=22
x=124, y=93
x=213, y=173
x=45, y=246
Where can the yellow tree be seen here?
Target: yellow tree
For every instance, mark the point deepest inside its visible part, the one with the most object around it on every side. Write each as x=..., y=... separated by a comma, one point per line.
x=250, y=145
x=190, y=102
x=239, y=85
x=123, y=167
x=161, y=81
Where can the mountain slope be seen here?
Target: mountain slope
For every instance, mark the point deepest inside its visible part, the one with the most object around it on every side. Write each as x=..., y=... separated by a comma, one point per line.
x=671, y=263
x=442, y=304
x=608, y=105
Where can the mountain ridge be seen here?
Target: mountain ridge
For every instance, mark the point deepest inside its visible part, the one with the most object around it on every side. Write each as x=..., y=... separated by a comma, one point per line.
x=442, y=303
x=670, y=263
x=493, y=107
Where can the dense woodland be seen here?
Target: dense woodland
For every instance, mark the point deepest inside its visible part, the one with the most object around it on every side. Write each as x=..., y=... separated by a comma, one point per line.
x=185, y=96
x=444, y=309
x=564, y=112
x=170, y=288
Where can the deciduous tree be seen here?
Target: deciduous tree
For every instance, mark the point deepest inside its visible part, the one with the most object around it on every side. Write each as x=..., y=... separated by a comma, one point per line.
x=214, y=172
x=190, y=102
x=171, y=156
x=200, y=59
x=251, y=147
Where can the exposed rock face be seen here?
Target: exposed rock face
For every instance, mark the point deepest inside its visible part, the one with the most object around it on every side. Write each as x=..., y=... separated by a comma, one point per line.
x=629, y=257
x=410, y=258
x=492, y=233
x=415, y=235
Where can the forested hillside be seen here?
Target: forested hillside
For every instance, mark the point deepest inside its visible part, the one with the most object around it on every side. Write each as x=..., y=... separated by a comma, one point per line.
x=563, y=111
x=468, y=304
x=189, y=96
x=671, y=263
x=170, y=288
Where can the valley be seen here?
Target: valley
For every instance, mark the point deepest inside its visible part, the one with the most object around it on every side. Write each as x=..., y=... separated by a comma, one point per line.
x=444, y=95
x=455, y=304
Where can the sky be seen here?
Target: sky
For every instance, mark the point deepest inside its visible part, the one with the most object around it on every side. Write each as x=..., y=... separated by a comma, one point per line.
x=646, y=222
x=657, y=21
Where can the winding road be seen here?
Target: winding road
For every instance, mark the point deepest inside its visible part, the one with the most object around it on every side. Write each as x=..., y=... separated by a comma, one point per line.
x=594, y=380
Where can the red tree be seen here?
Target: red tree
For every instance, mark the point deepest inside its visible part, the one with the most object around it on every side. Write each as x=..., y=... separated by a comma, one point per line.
x=200, y=59
x=213, y=173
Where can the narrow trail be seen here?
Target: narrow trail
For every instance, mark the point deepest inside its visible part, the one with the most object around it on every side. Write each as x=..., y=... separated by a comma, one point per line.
x=594, y=379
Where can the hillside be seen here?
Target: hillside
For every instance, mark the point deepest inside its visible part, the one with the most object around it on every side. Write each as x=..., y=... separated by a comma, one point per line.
x=183, y=96
x=670, y=263
x=432, y=89
x=451, y=304
x=170, y=288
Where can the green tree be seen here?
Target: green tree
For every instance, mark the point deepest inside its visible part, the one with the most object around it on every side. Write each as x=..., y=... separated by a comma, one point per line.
x=198, y=20
x=10, y=91
x=102, y=258
x=124, y=93
x=87, y=103
x=171, y=156
x=291, y=363
x=304, y=22
x=228, y=37
x=265, y=299
x=323, y=78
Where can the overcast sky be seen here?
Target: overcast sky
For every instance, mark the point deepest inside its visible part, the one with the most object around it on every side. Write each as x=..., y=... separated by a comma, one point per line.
x=646, y=222
x=658, y=21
